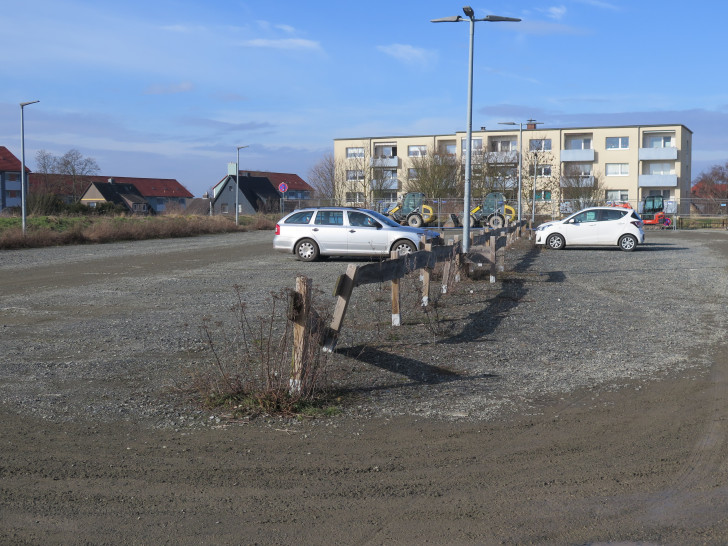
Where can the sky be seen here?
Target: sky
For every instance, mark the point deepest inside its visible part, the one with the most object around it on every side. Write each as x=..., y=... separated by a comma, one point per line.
x=170, y=88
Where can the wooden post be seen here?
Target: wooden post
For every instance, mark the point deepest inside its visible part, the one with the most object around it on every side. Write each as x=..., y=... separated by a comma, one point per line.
x=491, y=255
x=426, y=274
x=396, y=320
x=300, y=308
x=343, y=290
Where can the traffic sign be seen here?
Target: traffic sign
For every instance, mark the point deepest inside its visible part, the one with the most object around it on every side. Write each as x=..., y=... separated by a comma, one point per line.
x=283, y=187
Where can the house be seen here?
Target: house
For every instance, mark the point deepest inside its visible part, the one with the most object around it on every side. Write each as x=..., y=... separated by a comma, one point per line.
x=623, y=163
x=259, y=191
x=10, y=189
x=126, y=195
x=161, y=194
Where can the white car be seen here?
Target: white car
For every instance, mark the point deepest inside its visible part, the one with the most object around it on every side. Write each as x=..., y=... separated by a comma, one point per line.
x=595, y=226
x=345, y=231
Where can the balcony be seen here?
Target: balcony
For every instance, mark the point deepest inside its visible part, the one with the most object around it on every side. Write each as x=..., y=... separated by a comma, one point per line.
x=384, y=162
x=503, y=158
x=658, y=181
x=577, y=155
x=386, y=184
x=586, y=181
x=647, y=154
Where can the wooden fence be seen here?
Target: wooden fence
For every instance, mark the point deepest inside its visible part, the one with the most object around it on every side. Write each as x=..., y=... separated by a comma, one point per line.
x=456, y=263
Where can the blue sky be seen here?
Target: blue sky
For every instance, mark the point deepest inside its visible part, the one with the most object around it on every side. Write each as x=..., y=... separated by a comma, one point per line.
x=169, y=88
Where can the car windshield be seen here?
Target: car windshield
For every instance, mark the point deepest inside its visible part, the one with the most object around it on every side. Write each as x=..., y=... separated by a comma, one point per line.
x=381, y=218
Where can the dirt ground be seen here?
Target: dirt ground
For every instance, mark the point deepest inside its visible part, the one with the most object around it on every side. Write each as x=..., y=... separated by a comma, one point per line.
x=646, y=464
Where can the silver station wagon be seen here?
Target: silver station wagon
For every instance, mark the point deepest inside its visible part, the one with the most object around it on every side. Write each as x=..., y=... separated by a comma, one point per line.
x=344, y=231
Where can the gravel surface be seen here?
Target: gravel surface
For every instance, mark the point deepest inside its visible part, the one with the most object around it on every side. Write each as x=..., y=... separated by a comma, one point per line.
x=105, y=330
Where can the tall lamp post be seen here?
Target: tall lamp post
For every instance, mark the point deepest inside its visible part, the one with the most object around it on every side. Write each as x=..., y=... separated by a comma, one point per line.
x=470, y=16
x=23, y=181
x=531, y=124
x=237, y=183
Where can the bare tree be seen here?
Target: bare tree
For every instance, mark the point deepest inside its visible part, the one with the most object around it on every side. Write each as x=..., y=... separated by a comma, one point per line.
x=435, y=175
x=326, y=177
x=494, y=172
x=77, y=167
x=580, y=187
x=537, y=169
x=47, y=170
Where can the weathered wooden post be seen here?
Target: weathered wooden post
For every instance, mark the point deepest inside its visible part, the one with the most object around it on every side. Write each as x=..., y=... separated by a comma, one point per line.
x=426, y=274
x=300, y=307
x=342, y=291
x=491, y=254
x=396, y=320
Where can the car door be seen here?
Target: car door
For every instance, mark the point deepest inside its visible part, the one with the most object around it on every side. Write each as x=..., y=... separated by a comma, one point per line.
x=365, y=235
x=611, y=226
x=582, y=228
x=329, y=232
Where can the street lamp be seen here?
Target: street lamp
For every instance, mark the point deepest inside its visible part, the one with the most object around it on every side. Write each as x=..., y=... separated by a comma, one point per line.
x=237, y=183
x=470, y=14
x=531, y=124
x=23, y=191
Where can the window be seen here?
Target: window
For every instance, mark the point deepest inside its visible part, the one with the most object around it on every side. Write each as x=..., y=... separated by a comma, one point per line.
x=617, y=169
x=617, y=195
x=543, y=195
x=587, y=216
x=477, y=145
x=385, y=195
x=330, y=218
x=412, y=173
x=539, y=144
x=504, y=145
x=578, y=143
x=659, y=141
x=354, y=197
x=385, y=150
x=360, y=219
x=657, y=167
x=354, y=152
x=578, y=170
x=354, y=175
x=613, y=214
x=224, y=208
x=448, y=149
x=542, y=170
x=416, y=151
x=303, y=217
x=12, y=177
x=617, y=143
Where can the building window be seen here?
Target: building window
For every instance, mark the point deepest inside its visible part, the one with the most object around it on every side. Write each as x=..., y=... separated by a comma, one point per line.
x=12, y=177
x=618, y=143
x=387, y=151
x=477, y=145
x=617, y=195
x=223, y=208
x=578, y=143
x=412, y=173
x=354, y=152
x=353, y=175
x=504, y=145
x=542, y=170
x=416, y=151
x=354, y=197
x=539, y=144
x=660, y=141
x=543, y=195
x=657, y=167
x=386, y=195
x=448, y=148
x=617, y=169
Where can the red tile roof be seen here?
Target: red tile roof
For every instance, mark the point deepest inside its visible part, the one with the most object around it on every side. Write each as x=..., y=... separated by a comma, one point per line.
x=148, y=187
x=8, y=162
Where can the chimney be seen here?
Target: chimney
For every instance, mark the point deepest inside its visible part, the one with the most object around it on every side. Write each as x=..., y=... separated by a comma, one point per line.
x=111, y=180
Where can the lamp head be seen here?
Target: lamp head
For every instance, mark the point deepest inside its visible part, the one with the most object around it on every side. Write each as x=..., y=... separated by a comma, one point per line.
x=469, y=11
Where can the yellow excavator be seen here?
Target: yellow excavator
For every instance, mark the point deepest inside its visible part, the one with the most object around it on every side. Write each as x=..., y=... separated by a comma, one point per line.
x=413, y=211
x=492, y=212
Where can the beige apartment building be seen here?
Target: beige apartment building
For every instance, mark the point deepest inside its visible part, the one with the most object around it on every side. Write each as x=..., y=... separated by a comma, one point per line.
x=621, y=164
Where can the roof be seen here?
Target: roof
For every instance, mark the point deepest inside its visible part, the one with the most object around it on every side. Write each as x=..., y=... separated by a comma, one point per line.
x=8, y=162
x=293, y=181
x=115, y=192
x=147, y=187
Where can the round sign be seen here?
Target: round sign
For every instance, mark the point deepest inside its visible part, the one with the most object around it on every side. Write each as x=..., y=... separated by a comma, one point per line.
x=283, y=187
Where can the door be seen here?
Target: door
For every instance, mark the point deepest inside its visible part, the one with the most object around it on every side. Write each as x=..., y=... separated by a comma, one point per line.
x=365, y=235
x=583, y=228
x=329, y=231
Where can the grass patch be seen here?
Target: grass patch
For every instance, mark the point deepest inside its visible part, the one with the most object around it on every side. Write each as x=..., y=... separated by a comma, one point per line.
x=42, y=231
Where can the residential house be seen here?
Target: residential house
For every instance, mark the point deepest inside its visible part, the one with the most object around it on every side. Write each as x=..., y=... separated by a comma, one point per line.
x=10, y=183
x=259, y=191
x=161, y=194
x=126, y=195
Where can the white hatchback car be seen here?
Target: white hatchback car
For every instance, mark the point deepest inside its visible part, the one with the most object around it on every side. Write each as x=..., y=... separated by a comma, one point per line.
x=595, y=226
x=345, y=231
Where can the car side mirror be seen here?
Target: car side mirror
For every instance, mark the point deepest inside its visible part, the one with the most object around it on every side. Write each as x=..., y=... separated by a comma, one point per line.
x=377, y=225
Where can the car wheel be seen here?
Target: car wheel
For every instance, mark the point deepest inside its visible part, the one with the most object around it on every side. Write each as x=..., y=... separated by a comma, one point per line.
x=628, y=242
x=307, y=250
x=555, y=241
x=403, y=247
x=415, y=220
x=496, y=221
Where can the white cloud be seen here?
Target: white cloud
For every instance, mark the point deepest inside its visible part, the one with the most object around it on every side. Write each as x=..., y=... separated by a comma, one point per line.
x=555, y=12
x=408, y=54
x=287, y=43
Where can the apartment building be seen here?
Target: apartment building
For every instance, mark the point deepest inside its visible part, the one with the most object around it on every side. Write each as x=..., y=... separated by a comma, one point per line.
x=624, y=164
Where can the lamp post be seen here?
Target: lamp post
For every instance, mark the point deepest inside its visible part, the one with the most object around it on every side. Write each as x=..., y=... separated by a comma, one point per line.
x=470, y=16
x=520, y=159
x=237, y=183
x=23, y=191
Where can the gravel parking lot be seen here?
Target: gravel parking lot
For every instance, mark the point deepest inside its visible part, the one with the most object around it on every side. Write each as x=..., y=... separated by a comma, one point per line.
x=579, y=399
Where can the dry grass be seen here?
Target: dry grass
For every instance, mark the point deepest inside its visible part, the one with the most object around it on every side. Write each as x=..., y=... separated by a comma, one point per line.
x=54, y=231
